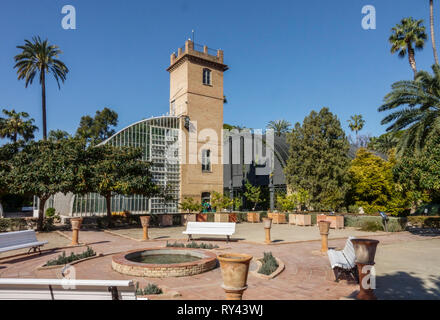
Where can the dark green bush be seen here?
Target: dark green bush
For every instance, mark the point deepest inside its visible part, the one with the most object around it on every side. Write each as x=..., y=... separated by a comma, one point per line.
x=63, y=259
x=424, y=221
x=192, y=245
x=371, y=226
x=268, y=264
x=151, y=288
x=50, y=212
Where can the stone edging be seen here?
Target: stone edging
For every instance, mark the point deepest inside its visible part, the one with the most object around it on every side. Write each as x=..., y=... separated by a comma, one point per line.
x=43, y=267
x=280, y=269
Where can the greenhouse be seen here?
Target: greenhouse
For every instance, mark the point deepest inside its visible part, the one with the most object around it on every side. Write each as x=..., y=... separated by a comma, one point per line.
x=159, y=140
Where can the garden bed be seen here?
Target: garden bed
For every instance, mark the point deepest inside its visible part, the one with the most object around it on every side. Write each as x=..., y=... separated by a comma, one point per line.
x=275, y=272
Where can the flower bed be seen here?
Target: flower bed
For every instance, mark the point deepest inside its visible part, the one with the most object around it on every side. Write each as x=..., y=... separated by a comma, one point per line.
x=63, y=259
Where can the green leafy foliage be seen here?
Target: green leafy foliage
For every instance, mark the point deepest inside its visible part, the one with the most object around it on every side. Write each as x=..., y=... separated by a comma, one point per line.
x=17, y=125
x=253, y=194
x=268, y=264
x=99, y=128
x=192, y=245
x=220, y=201
x=151, y=288
x=318, y=160
x=63, y=259
x=190, y=205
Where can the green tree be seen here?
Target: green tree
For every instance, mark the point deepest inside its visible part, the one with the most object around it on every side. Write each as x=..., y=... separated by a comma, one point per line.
x=415, y=107
x=15, y=125
x=431, y=20
x=45, y=168
x=356, y=124
x=318, y=159
x=253, y=194
x=287, y=202
x=420, y=173
x=408, y=35
x=373, y=186
x=190, y=205
x=220, y=201
x=119, y=170
x=57, y=135
x=279, y=127
x=385, y=142
x=99, y=128
x=39, y=57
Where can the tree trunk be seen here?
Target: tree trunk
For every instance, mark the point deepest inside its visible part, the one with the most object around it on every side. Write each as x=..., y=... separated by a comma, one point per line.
x=431, y=12
x=108, y=203
x=412, y=59
x=43, y=103
x=42, y=203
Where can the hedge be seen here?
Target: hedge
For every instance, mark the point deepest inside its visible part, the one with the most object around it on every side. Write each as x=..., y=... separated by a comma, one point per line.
x=17, y=224
x=424, y=221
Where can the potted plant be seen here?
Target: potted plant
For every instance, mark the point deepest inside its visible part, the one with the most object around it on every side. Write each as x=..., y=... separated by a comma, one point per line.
x=287, y=203
x=221, y=202
x=253, y=195
x=190, y=206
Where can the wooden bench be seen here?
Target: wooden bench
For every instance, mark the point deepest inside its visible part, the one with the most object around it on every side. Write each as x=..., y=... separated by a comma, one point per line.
x=20, y=239
x=343, y=261
x=66, y=289
x=210, y=228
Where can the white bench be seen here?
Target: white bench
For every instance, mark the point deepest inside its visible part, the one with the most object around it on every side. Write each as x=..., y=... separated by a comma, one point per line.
x=343, y=261
x=66, y=289
x=210, y=228
x=20, y=239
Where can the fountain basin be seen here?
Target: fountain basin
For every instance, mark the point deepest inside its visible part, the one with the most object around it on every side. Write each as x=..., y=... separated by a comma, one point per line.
x=166, y=262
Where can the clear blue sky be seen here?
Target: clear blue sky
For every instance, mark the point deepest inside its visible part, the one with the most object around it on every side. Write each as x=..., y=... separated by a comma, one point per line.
x=286, y=58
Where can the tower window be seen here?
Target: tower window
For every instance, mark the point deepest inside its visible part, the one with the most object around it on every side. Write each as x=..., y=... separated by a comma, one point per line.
x=207, y=76
x=206, y=160
x=173, y=108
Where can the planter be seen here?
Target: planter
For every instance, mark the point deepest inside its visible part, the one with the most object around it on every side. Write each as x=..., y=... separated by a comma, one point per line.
x=190, y=217
x=253, y=217
x=235, y=268
x=221, y=217
x=166, y=220
x=145, y=221
x=233, y=217
x=270, y=215
x=365, y=251
x=279, y=218
x=320, y=217
x=202, y=217
x=303, y=220
x=267, y=223
x=337, y=222
x=292, y=218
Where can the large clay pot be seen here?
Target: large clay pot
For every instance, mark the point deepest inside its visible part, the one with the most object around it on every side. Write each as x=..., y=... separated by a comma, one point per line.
x=365, y=250
x=324, y=227
x=267, y=223
x=235, y=268
x=145, y=221
x=76, y=223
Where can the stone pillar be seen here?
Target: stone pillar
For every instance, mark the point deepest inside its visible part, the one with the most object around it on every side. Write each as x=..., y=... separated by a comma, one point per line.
x=267, y=223
x=324, y=228
x=76, y=225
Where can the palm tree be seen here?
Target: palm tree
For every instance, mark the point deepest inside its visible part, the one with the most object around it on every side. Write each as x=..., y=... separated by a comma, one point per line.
x=17, y=125
x=40, y=57
x=279, y=126
x=416, y=109
x=405, y=36
x=356, y=124
x=431, y=19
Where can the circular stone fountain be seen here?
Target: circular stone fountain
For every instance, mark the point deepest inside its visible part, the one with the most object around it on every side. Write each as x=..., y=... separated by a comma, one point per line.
x=167, y=262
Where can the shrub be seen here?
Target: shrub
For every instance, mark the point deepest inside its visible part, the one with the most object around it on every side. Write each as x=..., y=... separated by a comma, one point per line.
x=50, y=212
x=151, y=288
x=268, y=264
x=192, y=245
x=63, y=259
x=17, y=224
x=424, y=221
x=371, y=226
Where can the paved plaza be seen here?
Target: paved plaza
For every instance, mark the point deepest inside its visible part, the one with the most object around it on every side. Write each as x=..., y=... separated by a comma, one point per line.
x=407, y=264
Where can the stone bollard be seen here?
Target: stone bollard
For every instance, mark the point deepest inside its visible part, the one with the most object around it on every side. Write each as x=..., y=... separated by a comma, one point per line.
x=76, y=225
x=235, y=268
x=267, y=224
x=365, y=251
x=324, y=228
x=145, y=221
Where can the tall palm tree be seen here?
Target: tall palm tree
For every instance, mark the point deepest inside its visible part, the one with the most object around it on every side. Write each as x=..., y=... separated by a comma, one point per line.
x=356, y=124
x=416, y=109
x=279, y=126
x=40, y=57
x=16, y=125
x=431, y=19
x=408, y=35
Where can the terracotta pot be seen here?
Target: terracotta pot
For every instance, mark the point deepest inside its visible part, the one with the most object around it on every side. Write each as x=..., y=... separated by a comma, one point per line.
x=221, y=217
x=365, y=250
x=202, y=217
x=233, y=217
x=76, y=223
x=253, y=217
x=324, y=227
x=145, y=221
x=235, y=268
x=267, y=223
